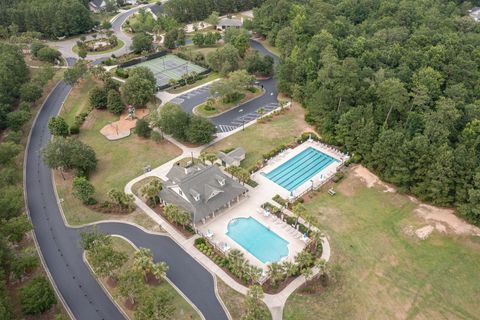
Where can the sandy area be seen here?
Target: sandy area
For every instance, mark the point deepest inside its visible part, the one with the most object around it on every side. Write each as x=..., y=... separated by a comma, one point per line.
x=440, y=219
x=445, y=220
x=370, y=179
x=121, y=128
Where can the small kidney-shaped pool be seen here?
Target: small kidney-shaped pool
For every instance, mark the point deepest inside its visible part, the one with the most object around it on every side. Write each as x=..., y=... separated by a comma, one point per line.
x=257, y=239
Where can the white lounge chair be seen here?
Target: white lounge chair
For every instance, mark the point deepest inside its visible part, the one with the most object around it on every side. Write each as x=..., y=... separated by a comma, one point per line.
x=209, y=234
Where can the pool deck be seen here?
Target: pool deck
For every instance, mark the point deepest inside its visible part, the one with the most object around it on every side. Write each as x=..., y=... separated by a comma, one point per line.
x=288, y=154
x=264, y=192
x=248, y=208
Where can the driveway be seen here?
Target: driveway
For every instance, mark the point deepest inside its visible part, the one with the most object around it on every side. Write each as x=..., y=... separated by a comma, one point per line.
x=62, y=254
x=242, y=114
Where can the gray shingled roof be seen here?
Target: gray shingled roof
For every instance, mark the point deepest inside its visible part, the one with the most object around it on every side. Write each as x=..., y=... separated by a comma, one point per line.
x=209, y=185
x=156, y=9
x=226, y=22
x=235, y=154
x=97, y=3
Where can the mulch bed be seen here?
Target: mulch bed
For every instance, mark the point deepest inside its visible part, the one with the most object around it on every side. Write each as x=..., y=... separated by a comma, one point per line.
x=267, y=287
x=111, y=210
x=159, y=210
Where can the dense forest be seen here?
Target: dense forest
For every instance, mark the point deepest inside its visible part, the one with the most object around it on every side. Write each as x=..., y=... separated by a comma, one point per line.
x=20, y=91
x=52, y=18
x=197, y=10
x=395, y=83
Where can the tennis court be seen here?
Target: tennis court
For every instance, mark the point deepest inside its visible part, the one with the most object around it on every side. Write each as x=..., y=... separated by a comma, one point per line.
x=169, y=67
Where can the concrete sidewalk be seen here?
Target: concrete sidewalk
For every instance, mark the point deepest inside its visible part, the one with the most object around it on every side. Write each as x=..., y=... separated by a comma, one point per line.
x=274, y=302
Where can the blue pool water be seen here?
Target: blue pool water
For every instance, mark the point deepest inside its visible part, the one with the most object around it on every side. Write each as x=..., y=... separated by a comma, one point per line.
x=294, y=172
x=257, y=239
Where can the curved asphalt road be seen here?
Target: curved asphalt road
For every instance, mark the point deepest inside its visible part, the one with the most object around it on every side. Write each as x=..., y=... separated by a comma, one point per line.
x=59, y=245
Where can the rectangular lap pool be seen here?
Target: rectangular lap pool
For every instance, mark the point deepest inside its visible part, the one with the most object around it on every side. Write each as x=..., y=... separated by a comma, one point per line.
x=257, y=239
x=294, y=172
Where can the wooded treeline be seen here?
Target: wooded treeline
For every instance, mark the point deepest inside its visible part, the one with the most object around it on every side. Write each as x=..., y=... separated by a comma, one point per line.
x=197, y=10
x=53, y=18
x=396, y=83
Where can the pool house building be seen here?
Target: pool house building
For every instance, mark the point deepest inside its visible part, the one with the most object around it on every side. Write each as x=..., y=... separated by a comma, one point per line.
x=204, y=191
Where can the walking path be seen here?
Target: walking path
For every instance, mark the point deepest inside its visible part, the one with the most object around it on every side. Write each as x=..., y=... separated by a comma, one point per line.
x=274, y=302
x=190, y=271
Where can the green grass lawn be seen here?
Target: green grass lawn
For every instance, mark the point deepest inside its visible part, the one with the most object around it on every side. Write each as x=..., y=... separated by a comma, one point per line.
x=260, y=138
x=183, y=310
x=383, y=273
x=118, y=161
x=233, y=300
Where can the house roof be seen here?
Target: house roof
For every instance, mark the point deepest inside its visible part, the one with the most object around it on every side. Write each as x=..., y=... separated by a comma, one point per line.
x=204, y=189
x=97, y=3
x=226, y=22
x=237, y=154
x=156, y=9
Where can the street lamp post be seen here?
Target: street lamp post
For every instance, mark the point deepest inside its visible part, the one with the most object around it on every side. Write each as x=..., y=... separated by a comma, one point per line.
x=312, y=183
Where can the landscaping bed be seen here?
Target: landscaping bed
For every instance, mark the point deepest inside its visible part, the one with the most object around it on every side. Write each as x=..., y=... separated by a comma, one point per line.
x=187, y=232
x=216, y=107
x=92, y=50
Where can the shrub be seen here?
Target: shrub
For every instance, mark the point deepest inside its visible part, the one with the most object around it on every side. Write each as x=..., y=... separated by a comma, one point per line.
x=338, y=176
x=75, y=129
x=18, y=118
x=142, y=128
x=37, y=296
x=98, y=98
x=48, y=54
x=200, y=242
x=156, y=136
x=121, y=72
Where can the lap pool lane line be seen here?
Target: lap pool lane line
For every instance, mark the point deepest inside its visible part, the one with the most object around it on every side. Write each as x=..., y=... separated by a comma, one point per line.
x=59, y=245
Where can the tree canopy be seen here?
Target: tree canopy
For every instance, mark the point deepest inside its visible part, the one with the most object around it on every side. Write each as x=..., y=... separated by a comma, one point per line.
x=395, y=83
x=53, y=18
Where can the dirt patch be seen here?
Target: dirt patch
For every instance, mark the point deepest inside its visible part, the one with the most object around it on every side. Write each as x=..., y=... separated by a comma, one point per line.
x=446, y=220
x=424, y=232
x=121, y=128
x=370, y=179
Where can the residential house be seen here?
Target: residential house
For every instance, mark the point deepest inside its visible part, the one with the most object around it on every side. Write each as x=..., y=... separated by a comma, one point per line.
x=225, y=23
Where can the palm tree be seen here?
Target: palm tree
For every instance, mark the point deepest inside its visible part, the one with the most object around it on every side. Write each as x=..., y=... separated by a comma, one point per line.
x=143, y=262
x=307, y=273
x=299, y=210
x=261, y=111
x=208, y=156
x=151, y=189
x=323, y=269
x=290, y=268
x=236, y=261
x=242, y=175
x=276, y=273
x=304, y=259
x=159, y=270
x=233, y=170
x=254, y=273
x=316, y=237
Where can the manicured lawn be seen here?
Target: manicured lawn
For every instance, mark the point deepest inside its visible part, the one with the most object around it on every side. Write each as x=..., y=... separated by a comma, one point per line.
x=219, y=106
x=210, y=77
x=183, y=310
x=118, y=161
x=383, y=273
x=77, y=101
x=120, y=44
x=260, y=138
x=233, y=300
